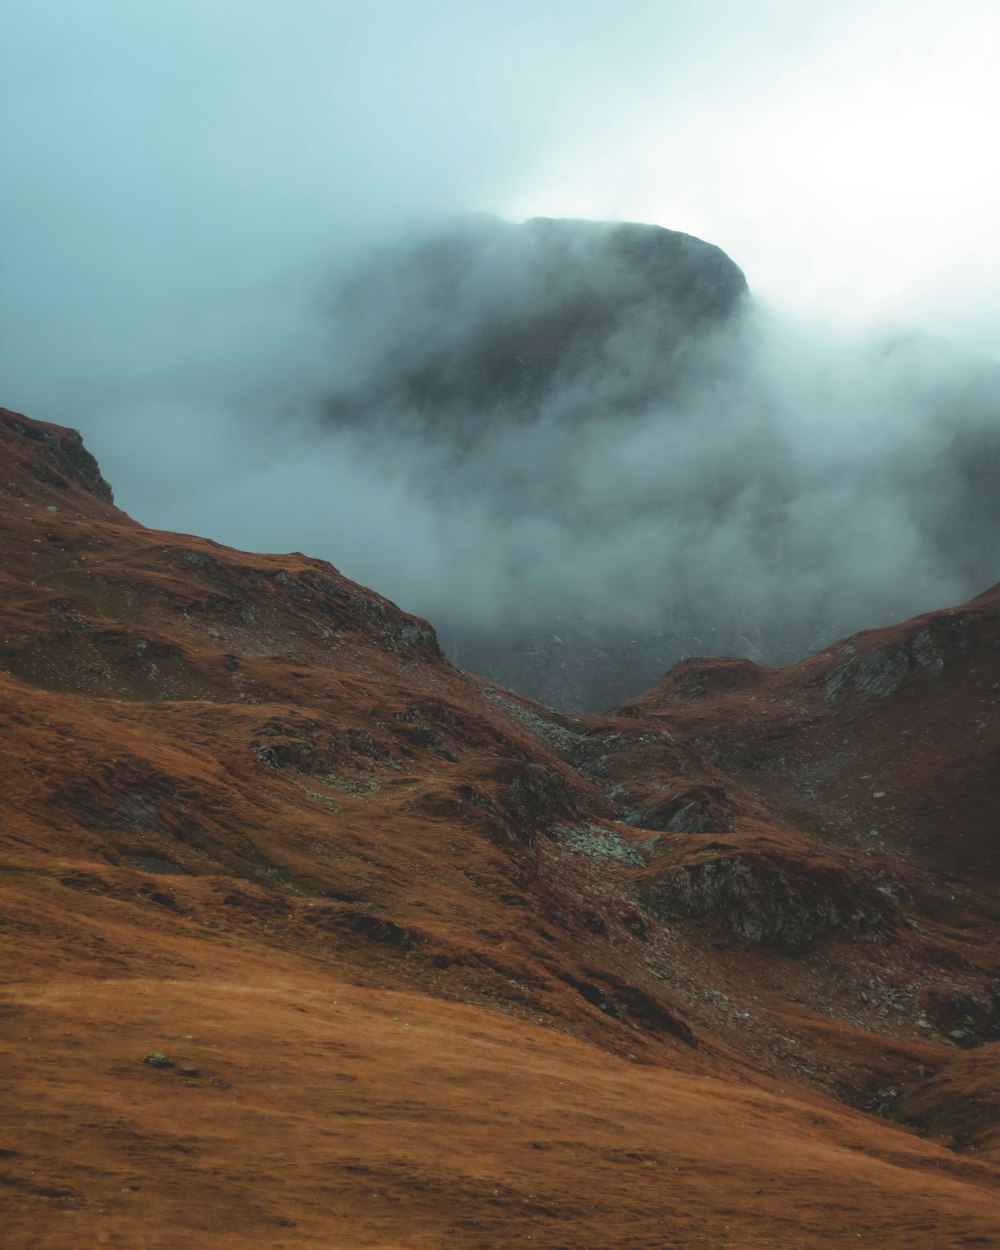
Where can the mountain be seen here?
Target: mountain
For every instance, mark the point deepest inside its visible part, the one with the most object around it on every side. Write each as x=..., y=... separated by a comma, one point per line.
x=487, y=320
x=619, y=458
x=311, y=938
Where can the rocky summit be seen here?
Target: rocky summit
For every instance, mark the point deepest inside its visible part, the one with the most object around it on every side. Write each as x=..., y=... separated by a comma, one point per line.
x=312, y=939
x=487, y=320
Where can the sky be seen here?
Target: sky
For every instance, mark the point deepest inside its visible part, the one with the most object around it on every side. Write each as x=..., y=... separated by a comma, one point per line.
x=175, y=149
x=185, y=179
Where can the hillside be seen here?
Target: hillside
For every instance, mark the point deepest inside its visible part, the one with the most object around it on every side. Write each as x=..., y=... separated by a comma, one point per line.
x=430, y=964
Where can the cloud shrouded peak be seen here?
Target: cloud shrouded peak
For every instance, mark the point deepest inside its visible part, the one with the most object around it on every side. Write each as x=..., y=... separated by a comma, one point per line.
x=220, y=260
x=486, y=315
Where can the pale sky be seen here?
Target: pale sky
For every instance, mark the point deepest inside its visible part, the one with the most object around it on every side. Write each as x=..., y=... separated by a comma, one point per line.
x=168, y=154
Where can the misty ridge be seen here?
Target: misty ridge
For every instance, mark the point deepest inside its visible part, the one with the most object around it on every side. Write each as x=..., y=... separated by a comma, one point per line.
x=583, y=450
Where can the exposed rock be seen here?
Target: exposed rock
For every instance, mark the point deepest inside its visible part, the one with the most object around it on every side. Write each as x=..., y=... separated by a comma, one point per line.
x=966, y=1020
x=765, y=898
x=879, y=671
x=688, y=808
x=64, y=455
x=287, y=752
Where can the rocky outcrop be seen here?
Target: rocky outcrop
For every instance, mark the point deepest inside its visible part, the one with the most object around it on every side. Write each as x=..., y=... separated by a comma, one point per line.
x=880, y=670
x=767, y=896
x=54, y=455
x=686, y=808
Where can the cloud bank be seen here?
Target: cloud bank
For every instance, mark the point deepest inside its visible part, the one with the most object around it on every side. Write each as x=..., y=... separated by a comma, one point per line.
x=194, y=188
x=740, y=478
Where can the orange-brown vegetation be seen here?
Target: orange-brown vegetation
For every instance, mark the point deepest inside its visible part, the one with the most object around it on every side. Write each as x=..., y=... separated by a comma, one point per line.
x=434, y=966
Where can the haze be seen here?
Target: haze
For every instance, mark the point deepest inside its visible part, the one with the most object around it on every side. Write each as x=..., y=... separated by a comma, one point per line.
x=186, y=183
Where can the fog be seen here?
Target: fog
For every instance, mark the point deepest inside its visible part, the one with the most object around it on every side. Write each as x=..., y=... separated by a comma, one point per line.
x=197, y=189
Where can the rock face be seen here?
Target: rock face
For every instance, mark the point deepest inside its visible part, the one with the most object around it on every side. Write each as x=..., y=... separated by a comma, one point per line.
x=768, y=898
x=255, y=817
x=55, y=456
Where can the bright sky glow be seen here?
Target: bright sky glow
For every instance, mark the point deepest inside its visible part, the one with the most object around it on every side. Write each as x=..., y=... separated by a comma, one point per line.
x=850, y=175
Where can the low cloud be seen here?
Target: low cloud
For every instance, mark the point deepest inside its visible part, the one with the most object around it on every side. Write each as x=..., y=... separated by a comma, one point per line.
x=203, y=270
x=785, y=476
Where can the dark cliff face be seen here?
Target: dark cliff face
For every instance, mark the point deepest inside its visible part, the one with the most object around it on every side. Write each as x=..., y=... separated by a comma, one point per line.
x=54, y=456
x=491, y=319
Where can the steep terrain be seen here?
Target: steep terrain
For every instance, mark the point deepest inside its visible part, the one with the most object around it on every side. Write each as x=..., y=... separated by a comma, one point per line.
x=412, y=961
